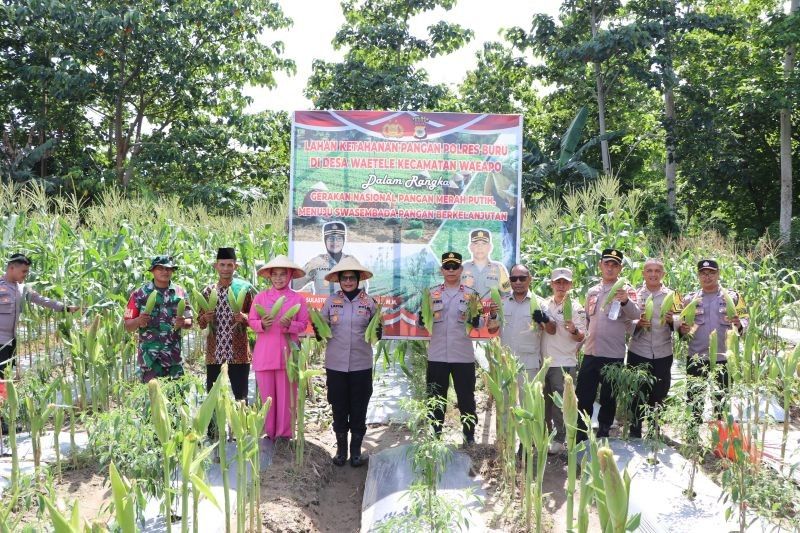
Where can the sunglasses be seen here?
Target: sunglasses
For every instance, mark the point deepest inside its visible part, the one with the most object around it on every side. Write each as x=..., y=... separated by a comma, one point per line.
x=348, y=278
x=451, y=266
x=517, y=278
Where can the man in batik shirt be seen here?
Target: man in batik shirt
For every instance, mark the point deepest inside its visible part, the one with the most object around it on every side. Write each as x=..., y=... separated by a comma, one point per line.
x=159, y=352
x=227, y=338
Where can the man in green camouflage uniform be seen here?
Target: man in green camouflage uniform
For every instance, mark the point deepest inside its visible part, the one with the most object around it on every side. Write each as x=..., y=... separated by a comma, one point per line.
x=159, y=352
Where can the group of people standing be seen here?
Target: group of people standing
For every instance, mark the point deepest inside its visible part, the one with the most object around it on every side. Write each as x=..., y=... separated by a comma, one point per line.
x=348, y=357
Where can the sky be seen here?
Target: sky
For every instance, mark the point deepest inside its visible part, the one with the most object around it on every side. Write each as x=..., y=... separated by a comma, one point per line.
x=316, y=22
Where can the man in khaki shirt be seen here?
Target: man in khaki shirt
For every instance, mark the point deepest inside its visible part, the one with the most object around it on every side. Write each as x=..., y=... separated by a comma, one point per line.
x=561, y=345
x=605, y=344
x=651, y=342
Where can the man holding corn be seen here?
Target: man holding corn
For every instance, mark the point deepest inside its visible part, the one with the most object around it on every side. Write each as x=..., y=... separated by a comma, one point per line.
x=651, y=342
x=13, y=294
x=227, y=341
x=717, y=309
x=611, y=309
x=561, y=343
x=159, y=321
x=450, y=352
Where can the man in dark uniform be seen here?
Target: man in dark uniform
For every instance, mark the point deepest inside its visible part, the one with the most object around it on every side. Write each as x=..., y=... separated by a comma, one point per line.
x=450, y=352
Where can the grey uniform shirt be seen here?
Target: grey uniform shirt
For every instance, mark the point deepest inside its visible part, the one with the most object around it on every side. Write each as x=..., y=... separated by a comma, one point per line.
x=347, y=351
x=316, y=270
x=711, y=314
x=12, y=297
x=524, y=341
x=606, y=337
x=560, y=346
x=482, y=279
x=656, y=341
x=449, y=341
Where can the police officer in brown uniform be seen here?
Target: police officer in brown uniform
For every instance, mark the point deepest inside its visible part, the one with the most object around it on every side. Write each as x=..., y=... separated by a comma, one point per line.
x=450, y=352
x=348, y=357
x=710, y=315
x=605, y=344
x=13, y=294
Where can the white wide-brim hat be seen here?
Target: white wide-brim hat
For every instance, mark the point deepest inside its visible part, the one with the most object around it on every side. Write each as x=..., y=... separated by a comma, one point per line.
x=348, y=263
x=281, y=261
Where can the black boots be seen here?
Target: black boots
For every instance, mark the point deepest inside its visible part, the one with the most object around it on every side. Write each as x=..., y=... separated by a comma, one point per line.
x=356, y=459
x=341, y=449
x=603, y=430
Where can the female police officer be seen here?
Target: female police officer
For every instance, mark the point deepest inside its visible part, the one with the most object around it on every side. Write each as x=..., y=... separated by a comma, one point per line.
x=348, y=357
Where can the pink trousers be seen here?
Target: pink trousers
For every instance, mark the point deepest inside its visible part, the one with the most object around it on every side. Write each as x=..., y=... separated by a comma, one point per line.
x=275, y=384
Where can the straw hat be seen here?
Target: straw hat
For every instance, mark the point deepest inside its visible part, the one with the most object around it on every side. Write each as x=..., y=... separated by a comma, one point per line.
x=348, y=263
x=281, y=261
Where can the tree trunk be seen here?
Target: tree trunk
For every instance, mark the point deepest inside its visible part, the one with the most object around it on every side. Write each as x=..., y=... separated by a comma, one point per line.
x=670, y=169
x=601, y=97
x=120, y=138
x=786, y=143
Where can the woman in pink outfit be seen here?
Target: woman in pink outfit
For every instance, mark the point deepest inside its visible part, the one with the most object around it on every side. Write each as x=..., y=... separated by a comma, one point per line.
x=269, y=355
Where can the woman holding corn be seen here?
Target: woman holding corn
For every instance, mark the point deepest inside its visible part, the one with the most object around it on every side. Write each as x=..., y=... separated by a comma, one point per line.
x=348, y=357
x=278, y=316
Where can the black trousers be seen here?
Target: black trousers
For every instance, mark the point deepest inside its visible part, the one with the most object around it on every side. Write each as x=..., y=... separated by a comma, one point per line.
x=589, y=379
x=238, y=375
x=661, y=369
x=349, y=394
x=699, y=368
x=437, y=379
x=6, y=357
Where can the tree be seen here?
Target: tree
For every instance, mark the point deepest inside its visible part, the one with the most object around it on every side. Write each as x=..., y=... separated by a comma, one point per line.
x=786, y=131
x=379, y=70
x=145, y=66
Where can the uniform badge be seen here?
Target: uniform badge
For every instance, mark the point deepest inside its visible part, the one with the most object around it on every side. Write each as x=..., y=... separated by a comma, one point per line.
x=334, y=318
x=437, y=315
x=436, y=294
x=337, y=301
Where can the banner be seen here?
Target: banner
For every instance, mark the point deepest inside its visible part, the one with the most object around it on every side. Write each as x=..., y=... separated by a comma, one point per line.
x=396, y=190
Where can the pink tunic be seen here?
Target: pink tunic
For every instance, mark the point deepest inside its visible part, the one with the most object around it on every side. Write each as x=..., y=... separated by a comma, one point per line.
x=270, y=350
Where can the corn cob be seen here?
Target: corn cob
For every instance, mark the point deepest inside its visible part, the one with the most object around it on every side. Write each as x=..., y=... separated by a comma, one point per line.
x=181, y=309
x=534, y=303
x=713, y=351
x=666, y=305
x=615, y=488
x=426, y=310
x=648, y=308
x=212, y=300
x=158, y=412
x=292, y=311
x=688, y=313
x=371, y=333
x=567, y=308
x=276, y=307
x=474, y=309
x=236, y=302
x=200, y=301
x=569, y=405
x=151, y=302
x=498, y=301
x=613, y=292
x=322, y=327
x=260, y=310
x=730, y=306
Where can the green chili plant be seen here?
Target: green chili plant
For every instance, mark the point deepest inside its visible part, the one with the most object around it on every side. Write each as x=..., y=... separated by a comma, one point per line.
x=629, y=386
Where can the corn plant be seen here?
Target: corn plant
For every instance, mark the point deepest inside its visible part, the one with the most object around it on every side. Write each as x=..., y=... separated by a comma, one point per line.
x=612, y=492
x=62, y=524
x=11, y=409
x=39, y=411
x=298, y=373
x=501, y=381
x=532, y=430
x=125, y=496
x=58, y=424
x=569, y=407
x=221, y=419
x=163, y=427
x=787, y=368
x=247, y=424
